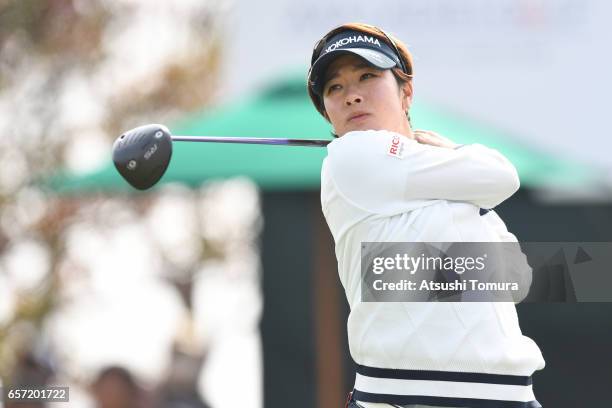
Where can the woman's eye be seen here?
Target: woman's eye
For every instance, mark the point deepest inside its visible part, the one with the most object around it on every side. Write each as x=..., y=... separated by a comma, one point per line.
x=333, y=88
x=367, y=75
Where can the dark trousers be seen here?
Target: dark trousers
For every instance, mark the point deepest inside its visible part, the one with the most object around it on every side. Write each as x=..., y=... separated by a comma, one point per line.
x=351, y=403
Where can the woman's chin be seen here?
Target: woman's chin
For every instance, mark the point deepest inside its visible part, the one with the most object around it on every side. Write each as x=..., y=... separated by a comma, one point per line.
x=363, y=125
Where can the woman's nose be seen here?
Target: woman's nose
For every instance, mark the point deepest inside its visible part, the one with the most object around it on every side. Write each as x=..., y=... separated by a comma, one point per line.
x=352, y=98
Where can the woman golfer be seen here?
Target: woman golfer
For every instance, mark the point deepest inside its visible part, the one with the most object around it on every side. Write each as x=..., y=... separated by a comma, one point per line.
x=383, y=181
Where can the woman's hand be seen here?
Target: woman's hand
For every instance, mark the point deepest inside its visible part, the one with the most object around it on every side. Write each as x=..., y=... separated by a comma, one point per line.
x=433, y=139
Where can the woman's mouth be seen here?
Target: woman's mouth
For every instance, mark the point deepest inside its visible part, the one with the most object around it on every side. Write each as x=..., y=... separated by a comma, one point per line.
x=357, y=117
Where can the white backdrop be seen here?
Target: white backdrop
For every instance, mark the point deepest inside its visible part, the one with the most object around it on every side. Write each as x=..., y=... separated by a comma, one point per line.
x=539, y=69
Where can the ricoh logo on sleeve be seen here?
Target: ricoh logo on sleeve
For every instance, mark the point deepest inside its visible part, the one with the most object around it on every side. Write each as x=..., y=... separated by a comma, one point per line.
x=353, y=39
x=396, y=147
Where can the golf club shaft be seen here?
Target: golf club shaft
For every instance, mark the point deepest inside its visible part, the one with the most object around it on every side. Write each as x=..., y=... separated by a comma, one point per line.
x=253, y=140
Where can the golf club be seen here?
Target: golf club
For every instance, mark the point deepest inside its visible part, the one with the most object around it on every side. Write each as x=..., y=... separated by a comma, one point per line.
x=142, y=155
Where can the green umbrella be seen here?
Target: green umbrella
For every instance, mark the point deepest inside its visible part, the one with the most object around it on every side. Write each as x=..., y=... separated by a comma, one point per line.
x=284, y=110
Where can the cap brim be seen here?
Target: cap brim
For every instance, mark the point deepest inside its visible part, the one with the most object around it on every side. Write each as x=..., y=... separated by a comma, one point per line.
x=375, y=58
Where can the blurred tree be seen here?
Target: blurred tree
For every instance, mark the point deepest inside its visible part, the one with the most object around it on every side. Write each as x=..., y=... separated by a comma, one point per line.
x=74, y=72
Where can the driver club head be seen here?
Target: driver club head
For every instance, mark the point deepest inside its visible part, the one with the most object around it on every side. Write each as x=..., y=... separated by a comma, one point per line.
x=142, y=155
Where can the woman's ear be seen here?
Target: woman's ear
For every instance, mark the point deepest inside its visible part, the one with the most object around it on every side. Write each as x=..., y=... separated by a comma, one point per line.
x=407, y=95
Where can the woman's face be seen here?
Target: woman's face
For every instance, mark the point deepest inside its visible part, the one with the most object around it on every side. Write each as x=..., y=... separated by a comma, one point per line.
x=357, y=96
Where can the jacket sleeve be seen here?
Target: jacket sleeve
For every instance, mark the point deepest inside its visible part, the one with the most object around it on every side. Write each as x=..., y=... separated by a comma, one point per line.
x=516, y=268
x=376, y=171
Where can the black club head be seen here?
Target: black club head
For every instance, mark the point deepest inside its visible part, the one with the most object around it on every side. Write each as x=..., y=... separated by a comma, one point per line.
x=142, y=155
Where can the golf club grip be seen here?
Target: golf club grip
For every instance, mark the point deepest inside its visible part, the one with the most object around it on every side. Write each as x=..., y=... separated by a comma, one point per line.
x=253, y=140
